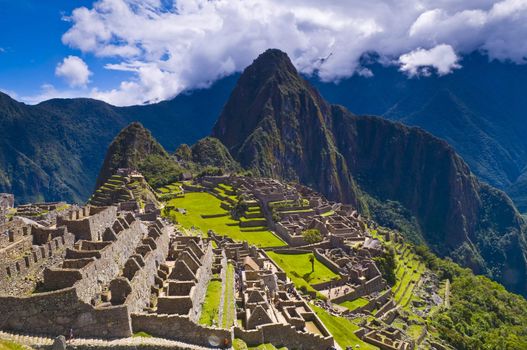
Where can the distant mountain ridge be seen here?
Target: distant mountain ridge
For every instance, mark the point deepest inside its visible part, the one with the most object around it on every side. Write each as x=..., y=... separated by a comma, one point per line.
x=278, y=125
x=54, y=150
x=479, y=109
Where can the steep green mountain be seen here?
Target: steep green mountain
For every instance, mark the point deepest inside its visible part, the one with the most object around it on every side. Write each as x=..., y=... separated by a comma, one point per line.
x=133, y=148
x=49, y=152
x=479, y=110
x=54, y=150
x=209, y=151
x=277, y=124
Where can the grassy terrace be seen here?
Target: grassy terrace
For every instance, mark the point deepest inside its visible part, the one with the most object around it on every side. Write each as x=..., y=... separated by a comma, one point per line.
x=298, y=268
x=408, y=273
x=209, y=313
x=342, y=330
x=197, y=204
x=352, y=305
x=228, y=297
x=239, y=344
x=9, y=345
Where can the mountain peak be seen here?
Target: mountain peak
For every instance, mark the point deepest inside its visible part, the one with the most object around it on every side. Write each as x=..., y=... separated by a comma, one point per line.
x=270, y=62
x=265, y=88
x=128, y=149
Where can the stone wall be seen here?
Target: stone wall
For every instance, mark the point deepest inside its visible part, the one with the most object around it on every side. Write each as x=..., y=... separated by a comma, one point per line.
x=328, y=262
x=90, y=278
x=281, y=335
x=42, y=235
x=179, y=328
x=144, y=279
x=55, y=313
x=32, y=260
x=89, y=222
x=204, y=277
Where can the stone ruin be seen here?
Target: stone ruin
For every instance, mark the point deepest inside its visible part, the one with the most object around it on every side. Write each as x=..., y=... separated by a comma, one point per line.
x=7, y=201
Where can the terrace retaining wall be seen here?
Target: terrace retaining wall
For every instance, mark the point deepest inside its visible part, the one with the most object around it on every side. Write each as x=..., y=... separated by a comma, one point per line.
x=55, y=313
x=180, y=328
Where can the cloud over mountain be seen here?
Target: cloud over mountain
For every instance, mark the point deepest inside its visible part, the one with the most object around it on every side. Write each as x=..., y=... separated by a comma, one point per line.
x=172, y=46
x=74, y=70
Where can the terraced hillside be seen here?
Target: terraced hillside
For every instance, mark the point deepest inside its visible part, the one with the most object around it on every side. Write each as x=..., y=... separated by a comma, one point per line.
x=120, y=189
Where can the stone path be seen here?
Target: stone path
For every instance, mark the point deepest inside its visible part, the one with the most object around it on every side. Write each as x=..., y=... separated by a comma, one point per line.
x=154, y=343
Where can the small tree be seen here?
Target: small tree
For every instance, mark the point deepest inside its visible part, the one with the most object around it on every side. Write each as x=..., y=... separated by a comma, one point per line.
x=312, y=236
x=312, y=261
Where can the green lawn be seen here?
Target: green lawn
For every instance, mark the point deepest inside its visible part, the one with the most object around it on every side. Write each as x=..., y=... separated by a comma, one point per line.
x=141, y=335
x=341, y=329
x=209, y=312
x=239, y=344
x=9, y=345
x=298, y=268
x=198, y=203
x=352, y=305
x=228, y=307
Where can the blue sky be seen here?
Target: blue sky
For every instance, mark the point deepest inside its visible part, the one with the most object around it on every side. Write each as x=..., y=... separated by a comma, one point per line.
x=132, y=51
x=31, y=47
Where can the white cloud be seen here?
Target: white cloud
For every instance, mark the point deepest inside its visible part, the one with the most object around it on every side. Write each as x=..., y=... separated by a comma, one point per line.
x=442, y=58
x=74, y=70
x=172, y=46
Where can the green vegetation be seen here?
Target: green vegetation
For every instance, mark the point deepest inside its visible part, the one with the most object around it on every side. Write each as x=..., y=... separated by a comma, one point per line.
x=289, y=204
x=387, y=265
x=10, y=345
x=352, y=305
x=209, y=312
x=342, y=329
x=312, y=236
x=483, y=314
x=210, y=152
x=228, y=298
x=141, y=335
x=395, y=216
x=198, y=204
x=408, y=273
x=239, y=344
x=298, y=268
x=160, y=170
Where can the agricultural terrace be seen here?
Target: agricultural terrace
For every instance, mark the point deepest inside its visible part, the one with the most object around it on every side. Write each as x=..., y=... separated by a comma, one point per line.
x=228, y=298
x=298, y=268
x=342, y=330
x=211, y=305
x=202, y=210
x=239, y=344
x=352, y=305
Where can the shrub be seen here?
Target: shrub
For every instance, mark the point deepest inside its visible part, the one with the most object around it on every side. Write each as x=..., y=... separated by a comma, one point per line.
x=312, y=236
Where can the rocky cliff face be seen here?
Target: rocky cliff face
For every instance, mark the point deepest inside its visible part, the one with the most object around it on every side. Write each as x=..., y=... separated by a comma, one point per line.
x=277, y=124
